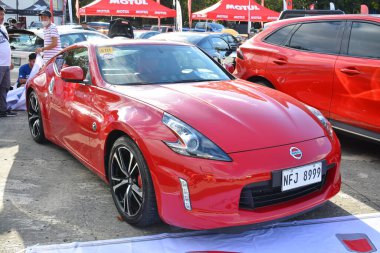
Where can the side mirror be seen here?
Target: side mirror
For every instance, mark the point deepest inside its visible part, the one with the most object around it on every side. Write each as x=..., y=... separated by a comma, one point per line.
x=72, y=74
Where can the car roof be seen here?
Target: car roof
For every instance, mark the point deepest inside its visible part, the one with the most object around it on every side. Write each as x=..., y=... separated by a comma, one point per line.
x=303, y=13
x=199, y=35
x=112, y=42
x=324, y=17
x=143, y=31
x=64, y=30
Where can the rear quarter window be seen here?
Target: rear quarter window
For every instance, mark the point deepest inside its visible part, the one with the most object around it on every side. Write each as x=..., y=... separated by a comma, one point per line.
x=278, y=37
x=364, y=40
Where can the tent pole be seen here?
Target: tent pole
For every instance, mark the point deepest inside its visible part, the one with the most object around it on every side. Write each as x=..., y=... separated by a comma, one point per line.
x=249, y=17
x=70, y=11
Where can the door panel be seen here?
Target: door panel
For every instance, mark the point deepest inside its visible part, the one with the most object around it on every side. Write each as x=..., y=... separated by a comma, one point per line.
x=356, y=96
x=304, y=68
x=71, y=103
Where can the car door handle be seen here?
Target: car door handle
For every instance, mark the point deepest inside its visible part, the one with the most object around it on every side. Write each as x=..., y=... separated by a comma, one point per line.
x=280, y=61
x=350, y=71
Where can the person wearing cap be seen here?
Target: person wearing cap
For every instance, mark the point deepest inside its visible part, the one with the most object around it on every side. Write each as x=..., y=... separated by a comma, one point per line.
x=5, y=67
x=25, y=70
x=52, y=41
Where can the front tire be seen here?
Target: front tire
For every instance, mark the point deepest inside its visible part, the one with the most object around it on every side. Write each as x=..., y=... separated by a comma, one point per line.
x=35, y=119
x=131, y=184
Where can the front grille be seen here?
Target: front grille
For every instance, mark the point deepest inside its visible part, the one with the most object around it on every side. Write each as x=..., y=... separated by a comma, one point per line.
x=269, y=192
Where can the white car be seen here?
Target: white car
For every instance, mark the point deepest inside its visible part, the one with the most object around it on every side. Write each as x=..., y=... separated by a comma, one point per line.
x=24, y=42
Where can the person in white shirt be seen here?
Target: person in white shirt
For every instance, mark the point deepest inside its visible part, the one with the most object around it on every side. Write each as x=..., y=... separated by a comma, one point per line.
x=5, y=67
x=52, y=41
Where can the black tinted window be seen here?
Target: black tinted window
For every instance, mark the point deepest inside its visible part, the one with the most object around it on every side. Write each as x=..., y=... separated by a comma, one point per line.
x=280, y=35
x=319, y=37
x=364, y=40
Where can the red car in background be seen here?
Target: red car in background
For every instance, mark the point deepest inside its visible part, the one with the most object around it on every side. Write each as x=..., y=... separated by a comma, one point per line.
x=179, y=138
x=329, y=62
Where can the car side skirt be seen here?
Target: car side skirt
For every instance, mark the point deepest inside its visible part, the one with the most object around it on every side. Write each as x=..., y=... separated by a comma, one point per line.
x=355, y=130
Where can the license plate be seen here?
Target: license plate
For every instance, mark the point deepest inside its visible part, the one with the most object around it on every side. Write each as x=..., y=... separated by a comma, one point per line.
x=301, y=176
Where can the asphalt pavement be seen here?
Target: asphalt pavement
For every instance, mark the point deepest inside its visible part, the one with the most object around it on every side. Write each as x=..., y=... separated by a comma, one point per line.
x=48, y=197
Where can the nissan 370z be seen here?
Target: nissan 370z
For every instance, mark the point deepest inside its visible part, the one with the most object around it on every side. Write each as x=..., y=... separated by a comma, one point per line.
x=179, y=139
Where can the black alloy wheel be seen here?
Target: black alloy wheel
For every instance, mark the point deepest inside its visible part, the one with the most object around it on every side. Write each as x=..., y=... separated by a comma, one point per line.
x=34, y=119
x=131, y=184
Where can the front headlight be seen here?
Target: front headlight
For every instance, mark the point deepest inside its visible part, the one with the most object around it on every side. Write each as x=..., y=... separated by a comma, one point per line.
x=325, y=123
x=191, y=142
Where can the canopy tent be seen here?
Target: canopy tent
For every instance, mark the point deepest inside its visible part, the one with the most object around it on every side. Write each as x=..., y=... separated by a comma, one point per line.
x=32, y=10
x=130, y=8
x=8, y=9
x=237, y=10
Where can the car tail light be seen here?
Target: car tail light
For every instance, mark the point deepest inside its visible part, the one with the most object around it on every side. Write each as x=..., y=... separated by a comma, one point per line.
x=239, y=54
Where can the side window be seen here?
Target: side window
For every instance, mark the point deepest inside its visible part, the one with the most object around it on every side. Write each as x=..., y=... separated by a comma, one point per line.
x=364, y=40
x=77, y=57
x=205, y=44
x=59, y=63
x=279, y=36
x=321, y=37
x=69, y=39
x=219, y=44
x=94, y=36
x=200, y=25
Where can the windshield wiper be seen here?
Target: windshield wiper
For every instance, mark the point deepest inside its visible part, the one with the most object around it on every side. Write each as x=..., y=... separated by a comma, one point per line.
x=195, y=80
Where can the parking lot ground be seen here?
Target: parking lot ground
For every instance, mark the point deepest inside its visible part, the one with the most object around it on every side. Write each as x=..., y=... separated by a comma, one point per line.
x=48, y=197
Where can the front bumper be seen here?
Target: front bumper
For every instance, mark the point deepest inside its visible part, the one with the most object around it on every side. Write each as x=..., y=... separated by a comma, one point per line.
x=215, y=187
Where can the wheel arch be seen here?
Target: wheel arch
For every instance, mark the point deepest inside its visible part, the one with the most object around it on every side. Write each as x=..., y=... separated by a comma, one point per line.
x=261, y=79
x=111, y=138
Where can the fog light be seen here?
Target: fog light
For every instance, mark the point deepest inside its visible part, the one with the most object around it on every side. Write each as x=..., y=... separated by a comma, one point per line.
x=185, y=194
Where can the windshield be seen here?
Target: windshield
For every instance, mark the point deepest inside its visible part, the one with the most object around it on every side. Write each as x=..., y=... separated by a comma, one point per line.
x=25, y=42
x=156, y=64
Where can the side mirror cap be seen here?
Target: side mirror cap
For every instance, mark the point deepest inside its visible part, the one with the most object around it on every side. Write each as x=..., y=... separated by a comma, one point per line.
x=72, y=74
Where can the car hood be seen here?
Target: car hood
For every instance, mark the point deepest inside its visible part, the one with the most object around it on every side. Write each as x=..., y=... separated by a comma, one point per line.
x=236, y=115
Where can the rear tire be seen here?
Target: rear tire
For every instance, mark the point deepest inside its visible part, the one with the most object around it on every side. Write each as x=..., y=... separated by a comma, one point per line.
x=34, y=118
x=131, y=184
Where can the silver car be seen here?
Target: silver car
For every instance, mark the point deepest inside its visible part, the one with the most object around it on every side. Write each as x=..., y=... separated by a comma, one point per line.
x=24, y=42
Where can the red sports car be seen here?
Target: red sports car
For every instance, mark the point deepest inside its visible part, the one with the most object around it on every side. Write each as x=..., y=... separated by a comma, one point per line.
x=180, y=139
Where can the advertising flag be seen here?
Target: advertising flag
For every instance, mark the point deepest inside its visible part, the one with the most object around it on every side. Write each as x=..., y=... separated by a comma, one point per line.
x=311, y=6
x=52, y=10
x=287, y=5
x=189, y=11
x=179, y=16
x=77, y=9
x=332, y=6
x=364, y=9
